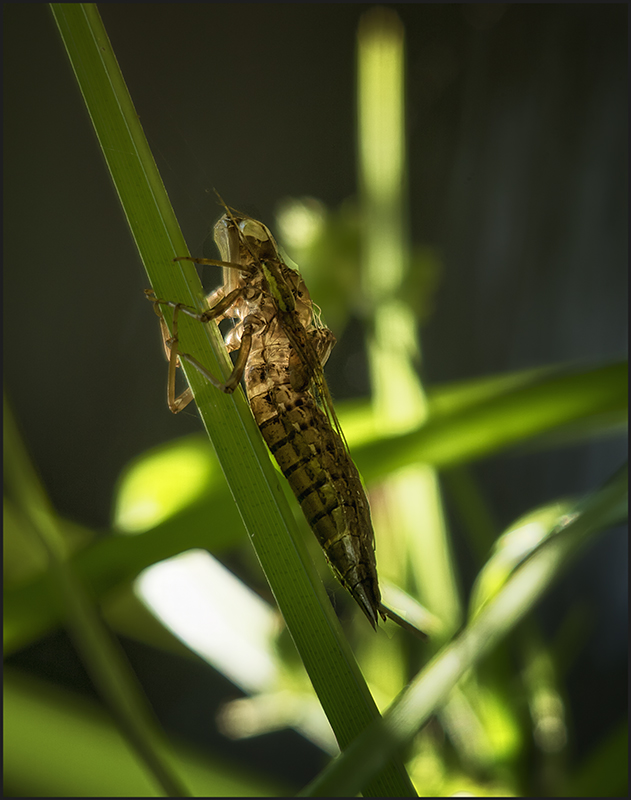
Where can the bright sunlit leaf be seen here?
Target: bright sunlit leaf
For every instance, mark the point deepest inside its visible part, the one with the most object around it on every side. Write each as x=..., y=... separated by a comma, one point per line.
x=511, y=549
x=163, y=482
x=216, y=615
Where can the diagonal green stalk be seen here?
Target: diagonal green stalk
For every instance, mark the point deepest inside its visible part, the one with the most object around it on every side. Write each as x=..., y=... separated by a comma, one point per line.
x=241, y=452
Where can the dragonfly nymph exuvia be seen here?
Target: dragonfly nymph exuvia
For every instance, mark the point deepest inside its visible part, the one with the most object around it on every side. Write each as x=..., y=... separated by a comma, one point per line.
x=282, y=350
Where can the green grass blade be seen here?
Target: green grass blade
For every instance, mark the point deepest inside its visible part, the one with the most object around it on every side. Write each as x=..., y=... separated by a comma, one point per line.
x=479, y=429
x=79, y=753
x=421, y=558
x=228, y=420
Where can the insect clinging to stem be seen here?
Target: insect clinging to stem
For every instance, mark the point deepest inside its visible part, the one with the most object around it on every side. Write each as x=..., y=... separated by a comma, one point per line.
x=282, y=348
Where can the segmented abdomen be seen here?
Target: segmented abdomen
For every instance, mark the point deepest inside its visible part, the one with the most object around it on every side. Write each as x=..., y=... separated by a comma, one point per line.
x=321, y=474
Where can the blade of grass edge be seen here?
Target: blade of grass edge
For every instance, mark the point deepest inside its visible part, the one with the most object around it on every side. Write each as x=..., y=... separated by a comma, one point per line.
x=298, y=590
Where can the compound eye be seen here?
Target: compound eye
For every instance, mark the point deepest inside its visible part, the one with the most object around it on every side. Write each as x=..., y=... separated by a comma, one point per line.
x=254, y=230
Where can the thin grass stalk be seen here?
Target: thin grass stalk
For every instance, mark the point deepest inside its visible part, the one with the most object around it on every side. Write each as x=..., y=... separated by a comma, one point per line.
x=411, y=518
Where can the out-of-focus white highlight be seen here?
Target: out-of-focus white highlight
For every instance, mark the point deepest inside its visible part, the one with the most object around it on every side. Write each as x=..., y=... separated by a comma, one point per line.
x=301, y=221
x=214, y=614
x=252, y=716
x=522, y=540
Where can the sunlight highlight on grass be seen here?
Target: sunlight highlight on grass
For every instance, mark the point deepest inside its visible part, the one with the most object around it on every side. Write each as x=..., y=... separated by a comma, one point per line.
x=381, y=106
x=222, y=620
x=512, y=548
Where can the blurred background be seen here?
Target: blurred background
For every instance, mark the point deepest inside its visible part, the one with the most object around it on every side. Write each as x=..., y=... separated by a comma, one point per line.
x=517, y=145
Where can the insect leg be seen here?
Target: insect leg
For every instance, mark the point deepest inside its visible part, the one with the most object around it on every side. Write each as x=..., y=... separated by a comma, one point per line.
x=216, y=311
x=216, y=263
x=237, y=373
x=176, y=404
x=170, y=343
x=386, y=611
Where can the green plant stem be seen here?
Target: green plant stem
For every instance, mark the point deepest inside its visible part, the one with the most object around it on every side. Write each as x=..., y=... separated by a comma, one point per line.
x=419, y=545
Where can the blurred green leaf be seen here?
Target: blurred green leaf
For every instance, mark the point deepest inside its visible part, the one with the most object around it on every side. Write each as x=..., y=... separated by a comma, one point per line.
x=163, y=482
x=100, y=653
x=32, y=608
x=481, y=428
x=326, y=244
x=57, y=744
x=511, y=548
